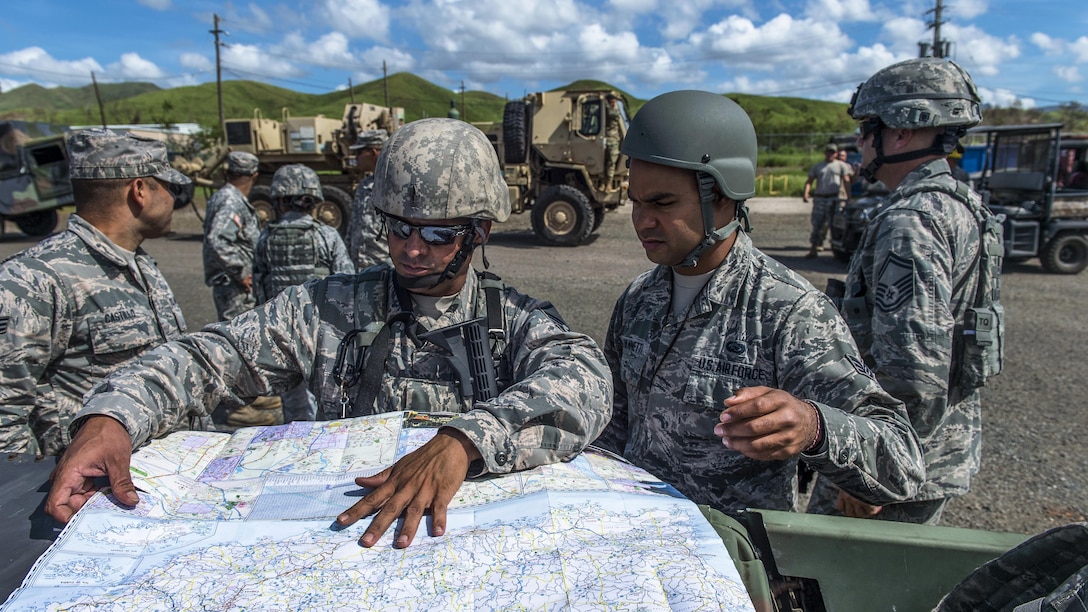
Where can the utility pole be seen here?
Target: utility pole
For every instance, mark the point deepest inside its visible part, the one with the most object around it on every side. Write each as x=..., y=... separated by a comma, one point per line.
x=385, y=83
x=219, y=78
x=351, y=89
x=464, y=115
x=939, y=47
x=98, y=96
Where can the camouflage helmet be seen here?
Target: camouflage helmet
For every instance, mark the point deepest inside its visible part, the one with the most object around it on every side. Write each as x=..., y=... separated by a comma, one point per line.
x=700, y=131
x=296, y=180
x=919, y=93
x=440, y=169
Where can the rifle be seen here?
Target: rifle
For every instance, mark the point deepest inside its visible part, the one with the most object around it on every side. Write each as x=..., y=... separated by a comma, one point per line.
x=470, y=356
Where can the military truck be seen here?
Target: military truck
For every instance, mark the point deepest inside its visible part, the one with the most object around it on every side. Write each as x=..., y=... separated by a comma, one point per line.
x=34, y=179
x=318, y=142
x=1025, y=177
x=552, y=146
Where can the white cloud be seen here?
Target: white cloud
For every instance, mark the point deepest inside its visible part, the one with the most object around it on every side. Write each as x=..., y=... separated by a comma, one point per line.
x=1068, y=73
x=357, y=18
x=1046, y=43
x=1003, y=98
x=34, y=62
x=839, y=10
x=330, y=51
x=158, y=5
x=980, y=52
x=967, y=9
x=1079, y=47
x=250, y=61
x=195, y=61
x=132, y=67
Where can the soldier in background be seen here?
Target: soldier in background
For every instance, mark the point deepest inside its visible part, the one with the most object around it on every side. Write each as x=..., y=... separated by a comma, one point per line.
x=440, y=186
x=230, y=235
x=613, y=135
x=366, y=245
x=728, y=367
x=231, y=227
x=78, y=305
x=830, y=177
x=923, y=283
x=294, y=249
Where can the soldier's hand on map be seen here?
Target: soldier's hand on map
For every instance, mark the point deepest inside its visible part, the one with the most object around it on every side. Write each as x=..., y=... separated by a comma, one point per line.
x=424, y=480
x=766, y=424
x=101, y=447
x=854, y=507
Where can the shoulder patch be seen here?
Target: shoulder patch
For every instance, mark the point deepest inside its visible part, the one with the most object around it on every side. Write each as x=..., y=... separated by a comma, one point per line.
x=860, y=366
x=895, y=284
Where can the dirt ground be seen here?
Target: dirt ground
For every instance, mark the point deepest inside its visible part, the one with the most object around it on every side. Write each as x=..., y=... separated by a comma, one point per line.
x=1034, y=472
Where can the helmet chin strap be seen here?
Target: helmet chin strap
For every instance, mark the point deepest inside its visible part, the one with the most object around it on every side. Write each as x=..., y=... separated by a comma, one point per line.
x=707, y=198
x=943, y=144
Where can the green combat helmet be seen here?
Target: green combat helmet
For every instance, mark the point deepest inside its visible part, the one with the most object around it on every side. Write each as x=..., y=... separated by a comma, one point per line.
x=296, y=185
x=926, y=92
x=707, y=133
x=441, y=169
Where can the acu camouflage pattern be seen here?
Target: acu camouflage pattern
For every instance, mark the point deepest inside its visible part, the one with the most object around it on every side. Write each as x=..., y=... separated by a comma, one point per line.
x=919, y=93
x=231, y=228
x=100, y=153
x=440, y=169
x=242, y=163
x=555, y=388
x=294, y=249
x=296, y=180
x=755, y=323
x=366, y=244
x=76, y=309
x=911, y=256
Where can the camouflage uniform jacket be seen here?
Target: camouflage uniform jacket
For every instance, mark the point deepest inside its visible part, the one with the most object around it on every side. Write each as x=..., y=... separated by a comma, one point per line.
x=328, y=255
x=754, y=323
x=74, y=310
x=554, y=386
x=912, y=255
x=230, y=234
x=366, y=244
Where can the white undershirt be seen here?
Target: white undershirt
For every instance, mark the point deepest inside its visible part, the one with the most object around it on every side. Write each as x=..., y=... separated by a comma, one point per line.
x=685, y=288
x=429, y=309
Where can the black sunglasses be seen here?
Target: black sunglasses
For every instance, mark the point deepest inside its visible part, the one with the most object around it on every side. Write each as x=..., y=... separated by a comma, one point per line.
x=183, y=194
x=435, y=235
x=868, y=126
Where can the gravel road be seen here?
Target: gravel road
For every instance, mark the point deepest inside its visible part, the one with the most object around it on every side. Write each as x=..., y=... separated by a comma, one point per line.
x=1034, y=472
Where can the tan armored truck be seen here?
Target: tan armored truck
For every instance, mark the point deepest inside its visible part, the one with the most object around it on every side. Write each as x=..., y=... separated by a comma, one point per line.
x=318, y=142
x=553, y=146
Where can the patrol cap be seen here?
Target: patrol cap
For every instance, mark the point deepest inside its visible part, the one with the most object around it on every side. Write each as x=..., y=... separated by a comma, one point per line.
x=242, y=163
x=370, y=138
x=831, y=148
x=100, y=153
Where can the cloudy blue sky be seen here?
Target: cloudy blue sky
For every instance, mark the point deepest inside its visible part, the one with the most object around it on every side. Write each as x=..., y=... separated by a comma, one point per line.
x=1032, y=53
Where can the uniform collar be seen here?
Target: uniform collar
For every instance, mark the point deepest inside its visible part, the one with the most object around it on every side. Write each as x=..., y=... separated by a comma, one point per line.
x=98, y=242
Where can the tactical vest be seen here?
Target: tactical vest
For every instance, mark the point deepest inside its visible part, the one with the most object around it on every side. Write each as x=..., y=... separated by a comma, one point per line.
x=979, y=342
x=361, y=356
x=293, y=256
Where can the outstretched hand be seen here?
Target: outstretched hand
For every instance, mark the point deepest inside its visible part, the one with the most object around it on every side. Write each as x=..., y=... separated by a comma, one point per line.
x=102, y=447
x=766, y=424
x=424, y=480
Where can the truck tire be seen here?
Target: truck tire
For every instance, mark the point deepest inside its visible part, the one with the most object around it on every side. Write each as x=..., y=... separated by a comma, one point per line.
x=562, y=216
x=38, y=223
x=598, y=219
x=1066, y=253
x=515, y=132
x=335, y=211
x=260, y=198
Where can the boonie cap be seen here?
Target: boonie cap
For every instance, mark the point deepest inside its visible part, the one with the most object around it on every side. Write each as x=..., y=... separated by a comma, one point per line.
x=100, y=153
